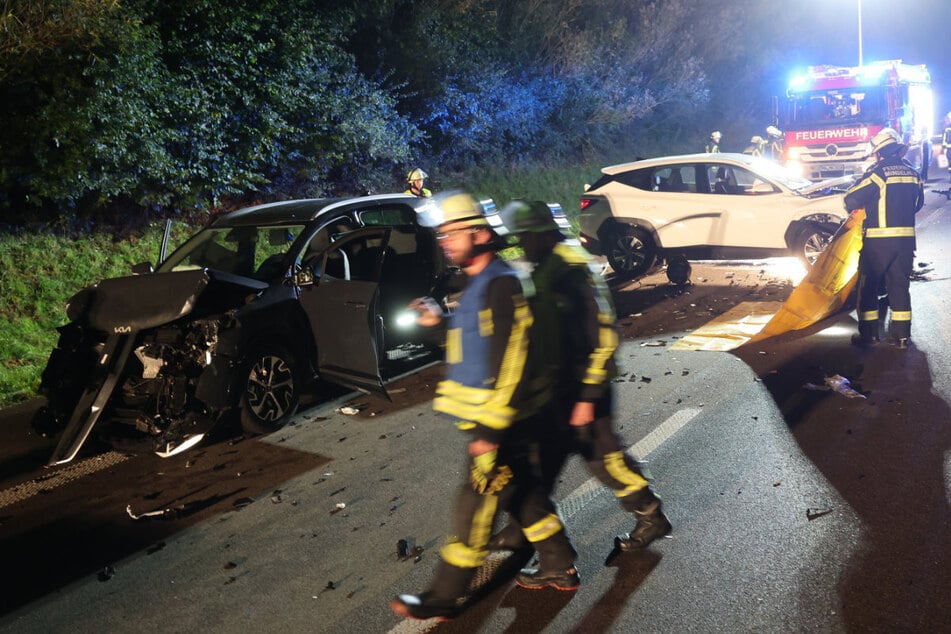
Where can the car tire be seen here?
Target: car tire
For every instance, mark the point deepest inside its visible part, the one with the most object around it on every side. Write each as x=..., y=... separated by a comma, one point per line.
x=629, y=250
x=811, y=242
x=270, y=389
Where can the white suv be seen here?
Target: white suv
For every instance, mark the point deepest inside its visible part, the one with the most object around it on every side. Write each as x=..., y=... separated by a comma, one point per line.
x=707, y=207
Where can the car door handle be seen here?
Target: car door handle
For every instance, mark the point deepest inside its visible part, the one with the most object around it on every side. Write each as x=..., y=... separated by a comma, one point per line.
x=355, y=304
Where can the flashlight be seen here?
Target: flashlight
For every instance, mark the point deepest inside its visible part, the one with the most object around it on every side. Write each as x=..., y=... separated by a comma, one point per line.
x=406, y=319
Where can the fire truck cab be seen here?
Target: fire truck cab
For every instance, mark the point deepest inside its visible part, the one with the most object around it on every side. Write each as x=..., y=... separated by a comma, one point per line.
x=831, y=112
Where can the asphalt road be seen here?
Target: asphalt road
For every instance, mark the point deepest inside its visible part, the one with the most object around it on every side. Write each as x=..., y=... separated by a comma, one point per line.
x=794, y=509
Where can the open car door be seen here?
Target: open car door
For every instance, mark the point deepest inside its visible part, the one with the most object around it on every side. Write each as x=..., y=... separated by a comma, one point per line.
x=343, y=308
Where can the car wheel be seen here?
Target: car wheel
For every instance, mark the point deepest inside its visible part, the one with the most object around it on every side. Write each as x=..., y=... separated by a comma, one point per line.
x=270, y=391
x=630, y=251
x=812, y=241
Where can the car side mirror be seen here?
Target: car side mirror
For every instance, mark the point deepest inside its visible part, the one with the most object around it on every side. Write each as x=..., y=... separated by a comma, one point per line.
x=142, y=268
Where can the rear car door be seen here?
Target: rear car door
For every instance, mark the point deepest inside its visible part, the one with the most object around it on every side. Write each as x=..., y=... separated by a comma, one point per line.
x=342, y=306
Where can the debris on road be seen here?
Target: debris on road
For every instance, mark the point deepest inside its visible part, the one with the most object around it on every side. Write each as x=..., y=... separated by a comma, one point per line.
x=339, y=506
x=277, y=497
x=106, y=573
x=815, y=513
x=159, y=513
x=348, y=410
x=653, y=344
x=836, y=383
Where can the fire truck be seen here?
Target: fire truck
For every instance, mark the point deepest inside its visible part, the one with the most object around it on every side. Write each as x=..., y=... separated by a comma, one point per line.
x=831, y=112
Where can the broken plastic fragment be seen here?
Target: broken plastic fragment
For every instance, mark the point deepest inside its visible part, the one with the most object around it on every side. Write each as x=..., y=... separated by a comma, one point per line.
x=841, y=385
x=814, y=513
x=128, y=509
x=349, y=411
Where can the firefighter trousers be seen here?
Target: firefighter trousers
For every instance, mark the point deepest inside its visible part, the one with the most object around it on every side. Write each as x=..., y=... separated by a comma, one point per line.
x=598, y=444
x=888, y=263
x=513, y=487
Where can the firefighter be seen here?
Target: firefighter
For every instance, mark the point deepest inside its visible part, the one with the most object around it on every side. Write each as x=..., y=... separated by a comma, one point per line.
x=713, y=145
x=414, y=182
x=756, y=147
x=487, y=392
x=573, y=341
x=775, y=139
x=891, y=193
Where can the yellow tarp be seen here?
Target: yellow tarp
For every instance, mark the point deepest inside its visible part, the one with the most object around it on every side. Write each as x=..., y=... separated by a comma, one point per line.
x=822, y=293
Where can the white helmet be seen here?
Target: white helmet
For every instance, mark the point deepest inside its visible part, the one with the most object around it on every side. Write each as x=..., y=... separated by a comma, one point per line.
x=416, y=175
x=774, y=131
x=886, y=138
x=757, y=139
x=715, y=135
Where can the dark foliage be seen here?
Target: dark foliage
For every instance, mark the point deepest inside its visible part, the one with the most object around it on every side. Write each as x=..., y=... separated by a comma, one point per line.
x=125, y=110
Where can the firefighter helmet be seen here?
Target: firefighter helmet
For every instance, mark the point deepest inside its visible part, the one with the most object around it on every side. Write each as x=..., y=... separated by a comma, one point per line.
x=886, y=141
x=757, y=139
x=716, y=136
x=533, y=216
x=416, y=174
x=773, y=131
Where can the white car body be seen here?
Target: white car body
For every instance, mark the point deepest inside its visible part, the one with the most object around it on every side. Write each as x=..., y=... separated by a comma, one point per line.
x=676, y=206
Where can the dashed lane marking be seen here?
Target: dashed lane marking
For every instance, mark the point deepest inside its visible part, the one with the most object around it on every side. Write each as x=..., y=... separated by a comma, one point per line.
x=59, y=477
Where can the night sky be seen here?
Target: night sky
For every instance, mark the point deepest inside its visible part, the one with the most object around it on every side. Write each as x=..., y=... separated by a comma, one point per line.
x=826, y=32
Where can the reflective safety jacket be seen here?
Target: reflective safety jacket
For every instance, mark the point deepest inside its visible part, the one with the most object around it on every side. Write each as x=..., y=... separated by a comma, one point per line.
x=424, y=193
x=573, y=335
x=891, y=193
x=486, y=386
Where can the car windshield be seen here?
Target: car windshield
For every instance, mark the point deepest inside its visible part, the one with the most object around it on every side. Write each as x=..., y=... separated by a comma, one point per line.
x=255, y=252
x=778, y=174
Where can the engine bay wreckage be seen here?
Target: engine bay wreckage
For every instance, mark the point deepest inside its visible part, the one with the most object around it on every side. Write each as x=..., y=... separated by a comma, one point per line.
x=254, y=309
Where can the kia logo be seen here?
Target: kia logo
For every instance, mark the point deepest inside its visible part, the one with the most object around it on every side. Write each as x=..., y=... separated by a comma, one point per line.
x=122, y=330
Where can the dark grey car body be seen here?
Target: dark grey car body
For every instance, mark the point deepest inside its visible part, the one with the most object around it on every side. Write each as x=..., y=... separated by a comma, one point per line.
x=253, y=309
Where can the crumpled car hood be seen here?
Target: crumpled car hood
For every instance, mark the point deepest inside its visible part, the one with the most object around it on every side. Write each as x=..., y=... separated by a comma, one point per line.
x=138, y=302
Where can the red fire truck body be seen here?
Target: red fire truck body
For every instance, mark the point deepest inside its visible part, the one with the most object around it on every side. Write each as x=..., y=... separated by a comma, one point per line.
x=831, y=112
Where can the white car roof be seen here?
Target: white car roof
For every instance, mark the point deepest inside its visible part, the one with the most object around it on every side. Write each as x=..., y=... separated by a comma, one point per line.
x=720, y=157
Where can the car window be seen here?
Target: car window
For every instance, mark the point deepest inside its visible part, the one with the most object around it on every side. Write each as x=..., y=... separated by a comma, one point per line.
x=639, y=178
x=675, y=178
x=249, y=251
x=398, y=215
x=738, y=181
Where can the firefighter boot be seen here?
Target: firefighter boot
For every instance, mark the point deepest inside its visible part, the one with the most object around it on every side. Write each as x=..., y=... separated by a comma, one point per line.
x=651, y=524
x=444, y=601
x=867, y=335
x=556, y=566
x=425, y=606
x=536, y=579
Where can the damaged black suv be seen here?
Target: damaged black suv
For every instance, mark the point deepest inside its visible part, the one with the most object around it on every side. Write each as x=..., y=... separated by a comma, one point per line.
x=245, y=315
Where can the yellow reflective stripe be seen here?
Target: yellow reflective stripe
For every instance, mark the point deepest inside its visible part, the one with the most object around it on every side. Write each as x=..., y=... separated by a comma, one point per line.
x=486, y=326
x=473, y=555
x=903, y=179
x=875, y=178
x=472, y=404
x=511, y=370
x=454, y=345
x=462, y=556
x=901, y=315
x=543, y=528
x=600, y=356
x=869, y=315
x=890, y=232
x=617, y=468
